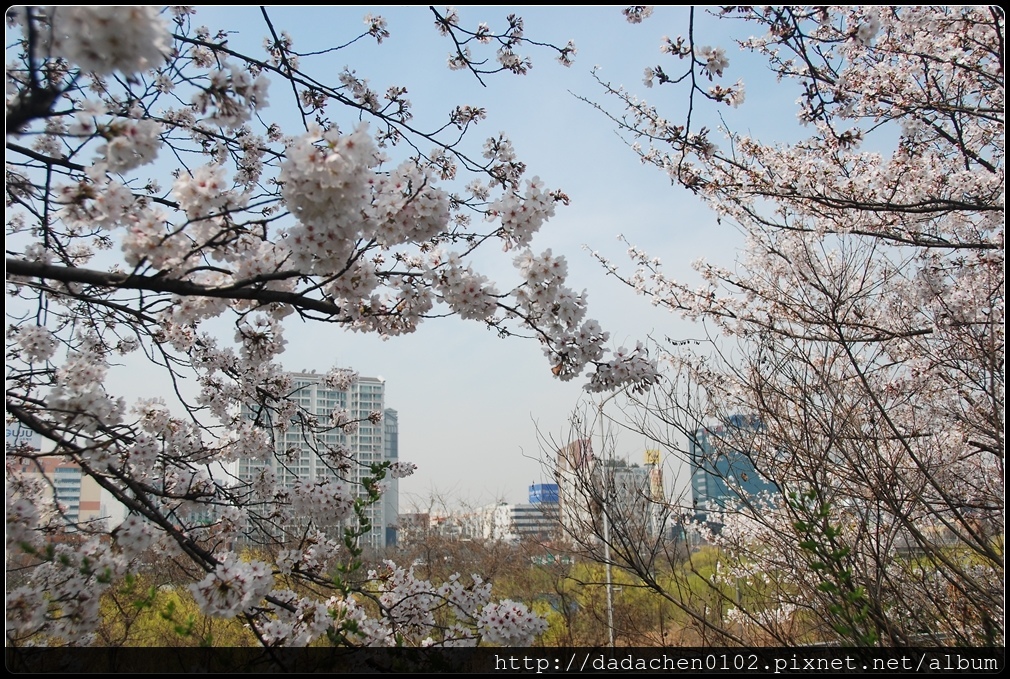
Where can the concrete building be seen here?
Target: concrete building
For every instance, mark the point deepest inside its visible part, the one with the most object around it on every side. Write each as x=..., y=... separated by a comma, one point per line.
x=77, y=498
x=578, y=504
x=369, y=443
x=456, y=525
x=631, y=495
x=585, y=484
x=516, y=522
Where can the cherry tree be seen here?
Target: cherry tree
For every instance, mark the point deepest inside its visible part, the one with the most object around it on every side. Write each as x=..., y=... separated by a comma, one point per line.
x=151, y=202
x=862, y=329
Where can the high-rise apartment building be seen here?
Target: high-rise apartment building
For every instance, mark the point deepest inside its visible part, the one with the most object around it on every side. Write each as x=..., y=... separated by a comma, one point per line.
x=371, y=441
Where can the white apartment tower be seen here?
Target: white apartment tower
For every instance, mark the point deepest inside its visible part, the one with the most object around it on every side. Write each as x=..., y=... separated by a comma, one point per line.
x=367, y=444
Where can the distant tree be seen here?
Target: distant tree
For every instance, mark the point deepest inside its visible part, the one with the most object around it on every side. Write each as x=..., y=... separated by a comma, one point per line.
x=863, y=327
x=146, y=611
x=151, y=203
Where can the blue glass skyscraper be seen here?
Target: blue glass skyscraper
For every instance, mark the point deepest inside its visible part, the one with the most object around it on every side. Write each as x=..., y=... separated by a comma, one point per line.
x=722, y=472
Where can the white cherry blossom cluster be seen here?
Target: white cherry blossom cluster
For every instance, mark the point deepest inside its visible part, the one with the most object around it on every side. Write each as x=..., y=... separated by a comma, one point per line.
x=100, y=202
x=132, y=143
x=510, y=623
x=406, y=601
x=25, y=611
x=297, y=622
x=134, y=536
x=149, y=239
x=408, y=207
x=408, y=604
x=356, y=287
x=635, y=14
x=464, y=599
x=340, y=378
x=231, y=96
x=733, y=95
x=317, y=553
x=647, y=76
x=79, y=398
x=354, y=623
x=566, y=57
x=521, y=218
x=161, y=435
x=233, y=586
x=250, y=165
x=340, y=417
x=457, y=61
x=108, y=39
x=327, y=502
x=512, y=61
x=364, y=95
x=867, y=30
x=279, y=50
x=62, y=601
x=260, y=339
x=570, y=342
x=253, y=260
x=449, y=19
x=505, y=169
x=36, y=342
x=713, y=61
x=399, y=470
x=632, y=368
x=376, y=27
x=205, y=192
x=325, y=186
x=464, y=115
x=22, y=519
x=469, y=294
x=544, y=277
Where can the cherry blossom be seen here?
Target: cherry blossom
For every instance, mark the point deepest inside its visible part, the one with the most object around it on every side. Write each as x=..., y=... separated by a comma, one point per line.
x=862, y=326
x=36, y=342
x=635, y=14
x=399, y=470
x=131, y=144
x=713, y=60
x=160, y=210
x=510, y=623
x=376, y=27
x=232, y=587
x=104, y=39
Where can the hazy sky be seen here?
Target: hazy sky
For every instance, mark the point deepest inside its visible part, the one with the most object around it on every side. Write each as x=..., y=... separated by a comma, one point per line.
x=473, y=408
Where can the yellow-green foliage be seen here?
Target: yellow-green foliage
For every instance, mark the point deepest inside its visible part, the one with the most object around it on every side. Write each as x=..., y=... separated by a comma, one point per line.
x=139, y=613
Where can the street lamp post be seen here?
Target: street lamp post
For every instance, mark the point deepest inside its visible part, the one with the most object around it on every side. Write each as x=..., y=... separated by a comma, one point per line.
x=607, y=487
